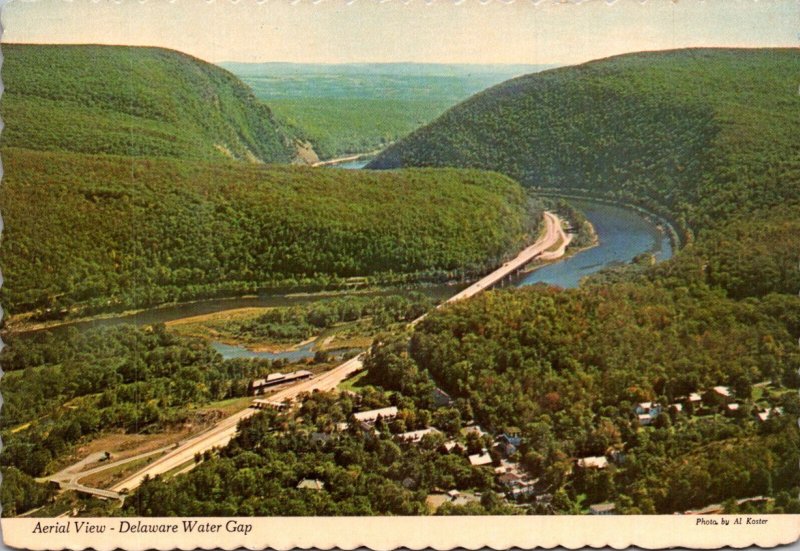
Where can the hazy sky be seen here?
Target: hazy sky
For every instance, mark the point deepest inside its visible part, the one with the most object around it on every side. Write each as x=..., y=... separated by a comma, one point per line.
x=464, y=31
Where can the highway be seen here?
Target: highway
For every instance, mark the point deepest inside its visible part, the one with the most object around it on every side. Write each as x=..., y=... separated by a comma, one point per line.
x=222, y=433
x=225, y=430
x=553, y=235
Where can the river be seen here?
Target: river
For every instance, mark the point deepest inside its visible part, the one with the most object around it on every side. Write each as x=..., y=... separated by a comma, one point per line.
x=623, y=234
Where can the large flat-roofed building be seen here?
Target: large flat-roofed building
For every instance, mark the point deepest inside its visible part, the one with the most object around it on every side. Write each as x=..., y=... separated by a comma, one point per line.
x=257, y=386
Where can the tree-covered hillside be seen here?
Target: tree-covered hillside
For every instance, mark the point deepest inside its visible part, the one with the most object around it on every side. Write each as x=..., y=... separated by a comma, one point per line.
x=147, y=102
x=697, y=134
x=107, y=232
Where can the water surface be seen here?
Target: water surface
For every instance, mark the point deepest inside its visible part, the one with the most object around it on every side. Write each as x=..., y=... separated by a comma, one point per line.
x=623, y=234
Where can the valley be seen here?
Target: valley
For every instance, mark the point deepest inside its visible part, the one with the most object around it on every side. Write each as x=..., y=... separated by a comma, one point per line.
x=472, y=324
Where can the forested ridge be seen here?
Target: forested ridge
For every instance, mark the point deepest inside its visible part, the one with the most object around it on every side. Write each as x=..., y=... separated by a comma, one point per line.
x=103, y=233
x=702, y=137
x=694, y=134
x=145, y=102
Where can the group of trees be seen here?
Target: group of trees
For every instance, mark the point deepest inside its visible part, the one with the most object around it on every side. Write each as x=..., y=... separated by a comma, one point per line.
x=640, y=128
x=147, y=102
x=60, y=389
x=297, y=323
x=363, y=473
x=100, y=233
x=568, y=367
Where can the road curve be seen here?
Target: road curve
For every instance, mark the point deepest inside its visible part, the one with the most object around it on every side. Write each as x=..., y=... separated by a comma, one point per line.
x=552, y=234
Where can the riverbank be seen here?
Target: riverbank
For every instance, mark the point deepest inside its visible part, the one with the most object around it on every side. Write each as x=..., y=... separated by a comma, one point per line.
x=660, y=221
x=21, y=324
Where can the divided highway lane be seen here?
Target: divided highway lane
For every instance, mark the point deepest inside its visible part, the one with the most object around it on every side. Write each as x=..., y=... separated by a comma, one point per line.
x=225, y=430
x=553, y=235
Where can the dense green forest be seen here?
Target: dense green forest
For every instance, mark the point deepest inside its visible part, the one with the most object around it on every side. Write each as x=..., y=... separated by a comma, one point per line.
x=62, y=389
x=94, y=233
x=564, y=370
x=147, y=102
x=695, y=134
x=568, y=368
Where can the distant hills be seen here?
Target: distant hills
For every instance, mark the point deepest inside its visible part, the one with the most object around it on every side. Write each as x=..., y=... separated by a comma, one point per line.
x=404, y=69
x=147, y=102
x=355, y=108
x=698, y=134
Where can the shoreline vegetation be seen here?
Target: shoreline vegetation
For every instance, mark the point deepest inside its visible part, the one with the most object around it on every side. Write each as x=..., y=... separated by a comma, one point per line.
x=19, y=324
x=295, y=227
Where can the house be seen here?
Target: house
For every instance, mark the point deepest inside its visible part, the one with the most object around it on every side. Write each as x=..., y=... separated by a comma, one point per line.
x=342, y=427
x=441, y=399
x=371, y=416
x=723, y=392
x=732, y=409
x=602, y=509
x=310, y=484
x=257, y=386
x=512, y=438
x=676, y=407
x=762, y=416
x=695, y=398
x=647, y=408
x=476, y=429
x=451, y=446
x=646, y=412
x=415, y=436
x=480, y=459
x=644, y=419
x=717, y=396
x=593, y=462
x=505, y=449
x=509, y=480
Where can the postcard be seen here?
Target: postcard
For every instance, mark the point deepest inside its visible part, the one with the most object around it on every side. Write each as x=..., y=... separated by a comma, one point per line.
x=400, y=274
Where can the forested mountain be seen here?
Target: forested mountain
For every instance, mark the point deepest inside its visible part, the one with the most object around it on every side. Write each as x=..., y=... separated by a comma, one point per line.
x=704, y=137
x=697, y=134
x=106, y=232
x=121, y=100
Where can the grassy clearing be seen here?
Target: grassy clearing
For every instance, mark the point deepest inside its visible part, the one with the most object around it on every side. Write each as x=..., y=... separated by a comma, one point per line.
x=120, y=445
x=109, y=477
x=353, y=383
x=228, y=407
